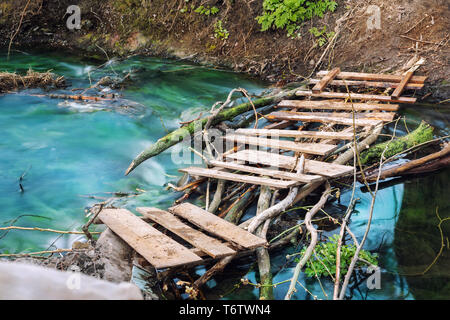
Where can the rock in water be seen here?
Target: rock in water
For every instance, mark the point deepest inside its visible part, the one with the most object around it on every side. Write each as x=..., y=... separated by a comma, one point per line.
x=116, y=256
x=20, y=281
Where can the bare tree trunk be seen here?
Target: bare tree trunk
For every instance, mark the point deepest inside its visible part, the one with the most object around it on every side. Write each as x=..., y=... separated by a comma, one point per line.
x=262, y=254
x=312, y=245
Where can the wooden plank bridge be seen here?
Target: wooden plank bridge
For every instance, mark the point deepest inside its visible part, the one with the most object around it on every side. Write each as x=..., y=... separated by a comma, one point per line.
x=191, y=233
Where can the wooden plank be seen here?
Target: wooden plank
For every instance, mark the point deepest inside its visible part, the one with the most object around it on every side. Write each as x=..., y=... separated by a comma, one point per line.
x=216, y=174
x=326, y=80
x=296, y=134
x=211, y=246
x=355, y=96
x=284, y=115
x=309, y=148
x=288, y=162
x=383, y=116
x=157, y=248
x=369, y=84
x=266, y=172
x=336, y=105
x=279, y=125
x=217, y=226
x=372, y=76
x=398, y=91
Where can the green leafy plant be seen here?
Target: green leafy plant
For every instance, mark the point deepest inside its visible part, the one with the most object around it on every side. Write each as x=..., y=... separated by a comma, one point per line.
x=207, y=10
x=220, y=32
x=289, y=14
x=323, y=262
x=321, y=35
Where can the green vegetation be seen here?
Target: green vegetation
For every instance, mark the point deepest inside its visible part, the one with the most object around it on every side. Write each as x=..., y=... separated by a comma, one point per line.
x=207, y=10
x=220, y=32
x=289, y=14
x=422, y=134
x=323, y=262
x=321, y=35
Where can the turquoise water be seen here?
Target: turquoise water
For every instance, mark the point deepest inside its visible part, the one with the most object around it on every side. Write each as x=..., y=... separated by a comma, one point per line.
x=67, y=152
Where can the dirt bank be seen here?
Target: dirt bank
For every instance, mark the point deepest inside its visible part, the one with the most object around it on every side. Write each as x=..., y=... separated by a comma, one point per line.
x=232, y=37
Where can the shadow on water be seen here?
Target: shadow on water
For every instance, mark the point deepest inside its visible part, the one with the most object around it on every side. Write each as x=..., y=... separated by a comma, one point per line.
x=418, y=239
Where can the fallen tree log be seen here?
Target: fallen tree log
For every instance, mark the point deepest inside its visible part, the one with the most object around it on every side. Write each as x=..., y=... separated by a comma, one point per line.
x=178, y=135
x=430, y=166
x=424, y=163
x=422, y=134
x=262, y=254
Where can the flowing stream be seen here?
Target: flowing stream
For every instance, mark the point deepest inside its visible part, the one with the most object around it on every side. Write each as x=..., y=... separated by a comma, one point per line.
x=71, y=155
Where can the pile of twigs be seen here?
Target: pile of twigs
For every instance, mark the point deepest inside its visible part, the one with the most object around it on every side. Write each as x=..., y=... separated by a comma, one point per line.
x=33, y=79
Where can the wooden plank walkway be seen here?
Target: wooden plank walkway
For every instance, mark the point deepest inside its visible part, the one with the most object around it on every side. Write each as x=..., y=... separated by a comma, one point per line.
x=309, y=148
x=369, y=84
x=296, y=134
x=288, y=162
x=383, y=116
x=372, y=77
x=217, y=226
x=212, y=236
x=355, y=96
x=198, y=239
x=213, y=173
x=336, y=105
x=306, y=178
x=286, y=115
x=157, y=248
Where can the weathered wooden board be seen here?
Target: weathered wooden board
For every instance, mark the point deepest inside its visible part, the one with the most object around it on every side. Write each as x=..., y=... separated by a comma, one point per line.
x=216, y=174
x=157, y=248
x=355, y=96
x=369, y=84
x=326, y=80
x=209, y=245
x=279, y=125
x=398, y=91
x=288, y=162
x=343, y=131
x=372, y=77
x=296, y=134
x=336, y=105
x=383, y=116
x=266, y=172
x=285, y=115
x=217, y=226
x=309, y=148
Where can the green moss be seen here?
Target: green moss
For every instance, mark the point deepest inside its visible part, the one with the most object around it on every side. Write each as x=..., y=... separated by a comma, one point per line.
x=422, y=134
x=266, y=287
